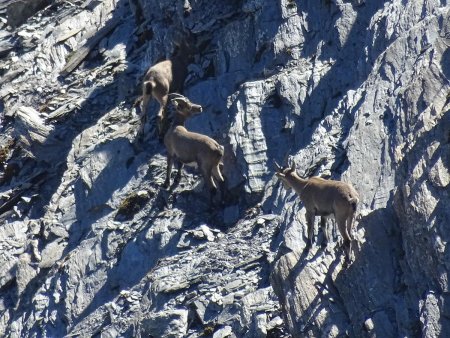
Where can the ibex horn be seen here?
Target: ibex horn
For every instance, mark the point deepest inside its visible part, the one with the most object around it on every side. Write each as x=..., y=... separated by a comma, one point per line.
x=277, y=166
x=286, y=158
x=176, y=95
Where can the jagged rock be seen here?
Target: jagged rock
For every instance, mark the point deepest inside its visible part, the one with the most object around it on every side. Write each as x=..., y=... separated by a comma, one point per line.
x=31, y=130
x=24, y=273
x=51, y=253
x=224, y=332
x=165, y=324
x=92, y=245
x=18, y=11
x=275, y=322
x=13, y=243
x=260, y=323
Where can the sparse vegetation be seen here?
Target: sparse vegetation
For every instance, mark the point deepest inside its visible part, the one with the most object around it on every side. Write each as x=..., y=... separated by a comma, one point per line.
x=132, y=204
x=5, y=151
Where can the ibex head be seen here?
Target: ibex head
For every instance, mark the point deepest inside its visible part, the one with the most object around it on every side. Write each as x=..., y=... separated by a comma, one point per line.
x=186, y=107
x=284, y=173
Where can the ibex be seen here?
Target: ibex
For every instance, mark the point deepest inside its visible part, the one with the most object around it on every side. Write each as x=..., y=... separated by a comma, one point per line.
x=161, y=79
x=323, y=198
x=187, y=147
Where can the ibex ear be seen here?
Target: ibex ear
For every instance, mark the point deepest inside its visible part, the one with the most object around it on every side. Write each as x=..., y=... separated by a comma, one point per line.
x=174, y=102
x=281, y=175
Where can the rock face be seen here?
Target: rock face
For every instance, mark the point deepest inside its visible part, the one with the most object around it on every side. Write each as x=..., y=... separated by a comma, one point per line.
x=92, y=245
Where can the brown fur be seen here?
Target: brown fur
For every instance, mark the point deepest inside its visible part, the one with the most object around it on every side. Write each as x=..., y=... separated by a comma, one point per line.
x=323, y=198
x=161, y=79
x=188, y=147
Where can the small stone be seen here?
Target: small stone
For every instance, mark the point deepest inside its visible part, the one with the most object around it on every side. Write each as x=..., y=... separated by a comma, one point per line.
x=224, y=332
x=142, y=193
x=207, y=232
x=228, y=299
x=35, y=249
x=277, y=321
x=51, y=253
x=369, y=324
x=26, y=199
x=260, y=325
x=198, y=234
x=184, y=241
x=439, y=174
x=169, y=323
x=200, y=309
x=236, y=284
x=216, y=298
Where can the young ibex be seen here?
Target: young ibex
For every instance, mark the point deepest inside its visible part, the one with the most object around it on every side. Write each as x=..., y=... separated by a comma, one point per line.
x=163, y=78
x=323, y=198
x=188, y=147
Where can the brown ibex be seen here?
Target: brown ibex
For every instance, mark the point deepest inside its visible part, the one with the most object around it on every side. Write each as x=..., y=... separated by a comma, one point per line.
x=323, y=198
x=187, y=147
x=163, y=78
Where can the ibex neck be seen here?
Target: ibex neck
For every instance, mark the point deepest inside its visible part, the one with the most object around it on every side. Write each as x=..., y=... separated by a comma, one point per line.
x=178, y=120
x=298, y=183
x=172, y=116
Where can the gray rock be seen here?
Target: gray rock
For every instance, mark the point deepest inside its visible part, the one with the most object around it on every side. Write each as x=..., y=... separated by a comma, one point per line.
x=90, y=242
x=18, y=11
x=260, y=326
x=226, y=331
x=165, y=324
x=24, y=272
x=51, y=253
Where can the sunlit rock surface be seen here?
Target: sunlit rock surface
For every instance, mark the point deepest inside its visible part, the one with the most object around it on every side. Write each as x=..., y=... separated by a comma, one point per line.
x=91, y=244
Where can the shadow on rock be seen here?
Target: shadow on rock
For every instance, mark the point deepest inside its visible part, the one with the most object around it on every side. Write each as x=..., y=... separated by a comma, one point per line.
x=321, y=293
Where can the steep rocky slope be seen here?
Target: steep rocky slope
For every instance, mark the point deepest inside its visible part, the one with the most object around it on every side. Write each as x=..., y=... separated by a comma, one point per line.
x=92, y=245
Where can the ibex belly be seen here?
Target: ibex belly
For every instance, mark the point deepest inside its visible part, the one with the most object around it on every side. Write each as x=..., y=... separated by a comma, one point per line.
x=321, y=209
x=186, y=161
x=326, y=214
x=191, y=164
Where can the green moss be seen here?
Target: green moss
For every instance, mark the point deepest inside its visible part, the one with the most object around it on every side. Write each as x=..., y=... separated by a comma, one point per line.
x=5, y=151
x=132, y=204
x=208, y=330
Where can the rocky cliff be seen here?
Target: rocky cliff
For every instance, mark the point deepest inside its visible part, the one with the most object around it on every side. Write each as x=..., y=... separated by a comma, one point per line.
x=92, y=245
